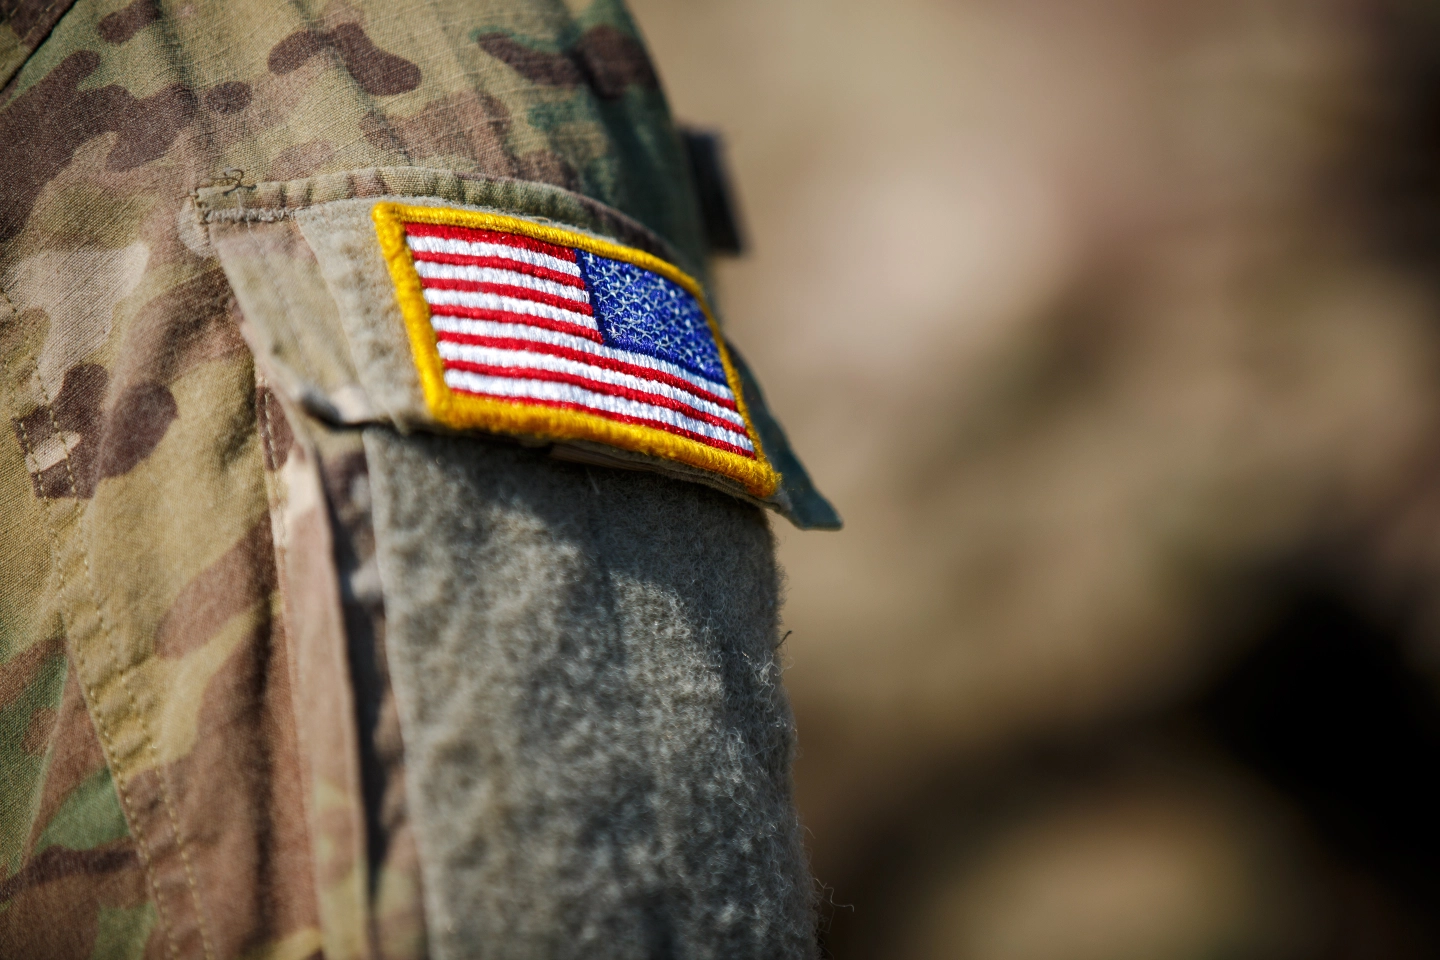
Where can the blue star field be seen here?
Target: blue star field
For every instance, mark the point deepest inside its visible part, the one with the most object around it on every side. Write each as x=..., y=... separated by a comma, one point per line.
x=642, y=311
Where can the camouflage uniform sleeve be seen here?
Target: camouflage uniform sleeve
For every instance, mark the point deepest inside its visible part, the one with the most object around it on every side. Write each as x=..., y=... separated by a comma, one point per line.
x=282, y=673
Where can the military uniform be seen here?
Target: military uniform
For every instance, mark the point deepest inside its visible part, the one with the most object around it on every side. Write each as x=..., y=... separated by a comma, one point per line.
x=310, y=645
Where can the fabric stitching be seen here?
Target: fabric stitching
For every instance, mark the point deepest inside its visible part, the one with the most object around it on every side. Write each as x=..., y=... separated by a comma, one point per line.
x=165, y=23
x=129, y=693
x=134, y=705
x=100, y=727
x=267, y=204
x=461, y=412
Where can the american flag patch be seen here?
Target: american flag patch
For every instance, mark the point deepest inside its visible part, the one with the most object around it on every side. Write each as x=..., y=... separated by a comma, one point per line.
x=524, y=328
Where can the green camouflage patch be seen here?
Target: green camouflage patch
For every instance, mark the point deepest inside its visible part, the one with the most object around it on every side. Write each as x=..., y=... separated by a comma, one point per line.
x=123, y=932
x=89, y=817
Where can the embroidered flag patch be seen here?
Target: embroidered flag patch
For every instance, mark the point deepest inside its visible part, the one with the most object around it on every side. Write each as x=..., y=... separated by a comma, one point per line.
x=523, y=328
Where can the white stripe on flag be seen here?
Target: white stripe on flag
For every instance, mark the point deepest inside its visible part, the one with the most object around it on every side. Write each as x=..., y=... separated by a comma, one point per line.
x=448, y=271
x=515, y=331
x=603, y=402
x=492, y=301
x=491, y=356
x=465, y=248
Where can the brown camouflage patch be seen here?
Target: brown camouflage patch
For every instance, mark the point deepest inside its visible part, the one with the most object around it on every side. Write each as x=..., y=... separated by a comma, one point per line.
x=379, y=73
x=40, y=920
x=188, y=324
x=226, y=589
x=75, y=411
x=135, y=426
x=29, y=21
x=123, y=24
x=229, y=97
x=58, y=862
x=41, y=130
x=17, y=673
x=604, y=59
x=537, y=66
x=107, y=444
x=37, y=732
x=30, y=17
x=543, y=166
x=612, y=61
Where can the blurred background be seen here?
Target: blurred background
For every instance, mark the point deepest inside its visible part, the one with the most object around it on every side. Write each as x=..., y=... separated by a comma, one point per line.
x=1112, y=327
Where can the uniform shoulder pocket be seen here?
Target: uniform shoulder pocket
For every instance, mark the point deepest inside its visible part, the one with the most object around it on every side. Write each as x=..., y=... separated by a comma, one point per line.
x=433, y=302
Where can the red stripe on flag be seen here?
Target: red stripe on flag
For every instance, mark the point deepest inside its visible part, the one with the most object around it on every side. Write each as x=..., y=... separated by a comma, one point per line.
x=521, y=319
x=472, y=235
x=507, y=290
x=620, y=366
x=500, y=263
x=597, y=386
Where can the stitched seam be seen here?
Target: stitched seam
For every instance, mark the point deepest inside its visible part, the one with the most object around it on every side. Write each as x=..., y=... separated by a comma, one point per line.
x=607, y=220
x=100, y=728
x=250, y=215
x=130, y=696
x=164, y=23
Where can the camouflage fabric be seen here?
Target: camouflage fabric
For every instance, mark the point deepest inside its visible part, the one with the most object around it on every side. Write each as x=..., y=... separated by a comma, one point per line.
x=199, y=753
